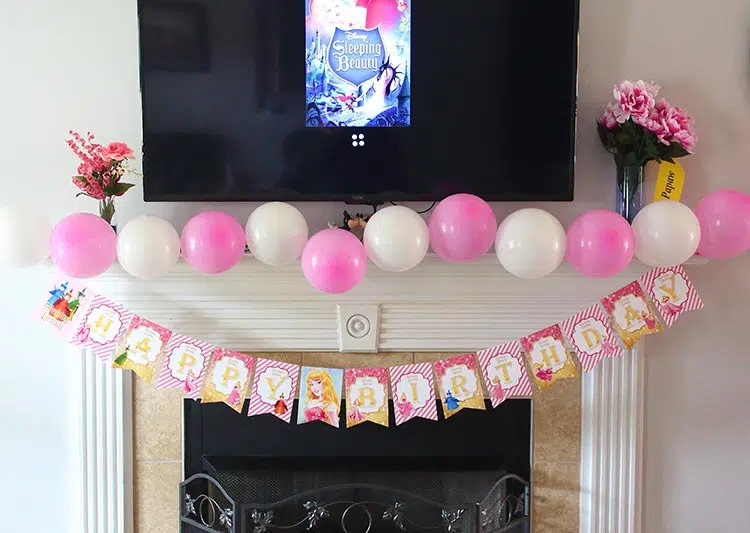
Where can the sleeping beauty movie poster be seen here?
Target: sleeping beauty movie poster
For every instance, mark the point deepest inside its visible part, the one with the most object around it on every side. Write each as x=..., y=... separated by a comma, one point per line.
x=358, y=63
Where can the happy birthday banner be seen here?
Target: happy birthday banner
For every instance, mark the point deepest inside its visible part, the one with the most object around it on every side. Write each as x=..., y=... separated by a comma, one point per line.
x=511, y=370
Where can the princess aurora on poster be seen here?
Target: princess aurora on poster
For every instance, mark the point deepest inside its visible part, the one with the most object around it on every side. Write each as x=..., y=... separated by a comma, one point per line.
x=322, y=402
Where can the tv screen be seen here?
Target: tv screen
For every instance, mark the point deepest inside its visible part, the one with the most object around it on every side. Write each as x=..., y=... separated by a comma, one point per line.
x=358, y=100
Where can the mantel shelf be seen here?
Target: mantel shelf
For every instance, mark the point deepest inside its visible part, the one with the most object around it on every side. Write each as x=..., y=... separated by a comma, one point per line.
x=487, y=265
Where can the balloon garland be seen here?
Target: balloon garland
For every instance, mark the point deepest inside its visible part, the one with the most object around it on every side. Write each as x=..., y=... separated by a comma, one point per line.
x=530, y=243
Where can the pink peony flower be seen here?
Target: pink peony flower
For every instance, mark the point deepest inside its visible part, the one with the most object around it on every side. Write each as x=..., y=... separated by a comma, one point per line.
x=653, y=122
x=680, y=127
x=671, y=123
x=116, y=151
x=635, y=100
x=609, y=117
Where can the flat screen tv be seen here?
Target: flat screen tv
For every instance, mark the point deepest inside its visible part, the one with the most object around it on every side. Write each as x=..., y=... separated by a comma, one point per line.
x=363, y=101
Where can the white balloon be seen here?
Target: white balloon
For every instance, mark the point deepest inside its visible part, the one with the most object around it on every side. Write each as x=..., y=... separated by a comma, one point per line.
x=24, y=237
x=667, y=233
x=148, y=247
x=276, y=233
x=530, y=243
x=396, y=239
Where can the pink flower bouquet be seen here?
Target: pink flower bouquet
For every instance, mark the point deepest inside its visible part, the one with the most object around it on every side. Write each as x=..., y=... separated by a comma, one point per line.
x=637, y=128
x=100, y=171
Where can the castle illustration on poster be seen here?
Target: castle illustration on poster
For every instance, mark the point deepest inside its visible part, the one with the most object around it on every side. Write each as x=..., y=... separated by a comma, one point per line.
x=358, y=63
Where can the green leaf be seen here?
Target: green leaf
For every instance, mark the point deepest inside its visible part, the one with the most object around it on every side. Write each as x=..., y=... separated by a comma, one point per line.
x=631, y=159
x=107, y=211
x=653, y=148
x=677, y=150
x=604, y=134
x=118, y=189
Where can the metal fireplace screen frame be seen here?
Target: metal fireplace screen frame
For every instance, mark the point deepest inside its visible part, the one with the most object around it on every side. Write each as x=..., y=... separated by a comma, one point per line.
x=352, y=508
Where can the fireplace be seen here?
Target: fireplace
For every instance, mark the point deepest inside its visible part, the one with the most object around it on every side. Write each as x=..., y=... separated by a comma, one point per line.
x=260, y=475
x=585, y=469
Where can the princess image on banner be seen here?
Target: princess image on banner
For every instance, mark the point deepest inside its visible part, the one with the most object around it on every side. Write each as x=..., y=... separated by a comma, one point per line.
x=64, y=301
x=632, y=315
x=548, y=356
x=497, y=393
x=281, y=407
x=459, y=384
x=404, y=407
x=366, y=396
x=140, y=348
x=227, y=378
x=668, y=308
x=358, y=55
x=320, y=395
x=191, y=382
x=274, y=389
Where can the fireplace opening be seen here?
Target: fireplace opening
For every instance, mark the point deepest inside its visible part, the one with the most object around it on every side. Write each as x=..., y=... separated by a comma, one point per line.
x=258, y=474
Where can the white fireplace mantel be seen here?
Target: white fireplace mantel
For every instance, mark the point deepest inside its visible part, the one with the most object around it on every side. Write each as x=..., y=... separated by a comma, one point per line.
x=436, y=307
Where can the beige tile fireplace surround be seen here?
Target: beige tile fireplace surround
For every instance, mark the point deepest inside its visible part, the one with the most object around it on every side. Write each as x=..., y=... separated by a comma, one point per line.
x=586, y=431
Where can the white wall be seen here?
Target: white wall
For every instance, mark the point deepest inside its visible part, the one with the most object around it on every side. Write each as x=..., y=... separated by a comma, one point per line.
x=73, y=64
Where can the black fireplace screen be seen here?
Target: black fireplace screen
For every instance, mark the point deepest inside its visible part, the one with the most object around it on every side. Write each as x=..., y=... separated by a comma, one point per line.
x=260, y=475
x=351, y=508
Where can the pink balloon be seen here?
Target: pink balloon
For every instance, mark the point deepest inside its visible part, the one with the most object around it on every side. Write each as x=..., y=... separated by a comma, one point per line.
x=334, y=261
x=212, y=242
x=600, y=243
x=462, y=228
x=724, y=216
x=83, y=245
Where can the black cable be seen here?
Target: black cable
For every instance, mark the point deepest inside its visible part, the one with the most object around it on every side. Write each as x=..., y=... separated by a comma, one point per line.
x=432, y=206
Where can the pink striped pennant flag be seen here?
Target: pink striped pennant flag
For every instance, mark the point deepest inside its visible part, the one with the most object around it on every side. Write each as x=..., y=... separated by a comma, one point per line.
x=591, y=337
x=102, y=326
x=413, y=389
x=672, y=292
x=503, y=366
x=274, y=388
x=185, y=365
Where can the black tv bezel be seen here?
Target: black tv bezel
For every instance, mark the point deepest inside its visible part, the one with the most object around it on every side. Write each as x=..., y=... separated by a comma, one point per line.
x=387, y=196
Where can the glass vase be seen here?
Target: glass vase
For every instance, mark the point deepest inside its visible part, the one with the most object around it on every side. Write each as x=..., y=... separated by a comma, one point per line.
x=629, y=193
x=107, y=211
